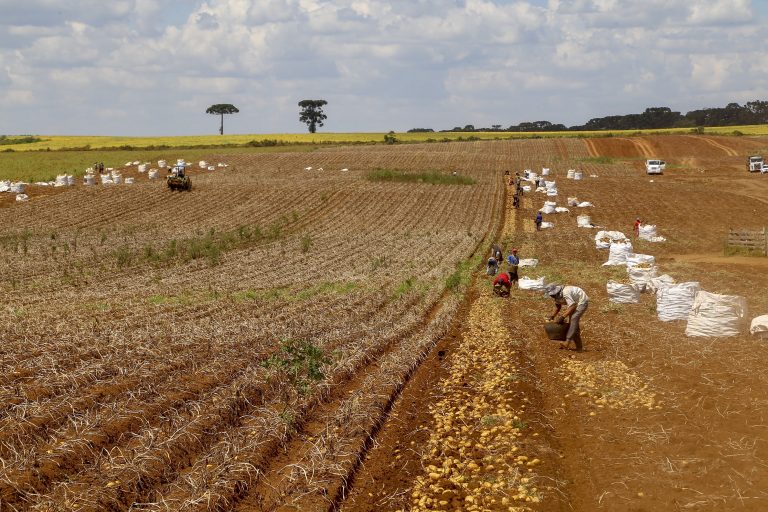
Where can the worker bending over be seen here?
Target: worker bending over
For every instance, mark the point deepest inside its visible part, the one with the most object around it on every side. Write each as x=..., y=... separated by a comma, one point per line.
x=493, y=266
x=576, y=303
x=502, y=284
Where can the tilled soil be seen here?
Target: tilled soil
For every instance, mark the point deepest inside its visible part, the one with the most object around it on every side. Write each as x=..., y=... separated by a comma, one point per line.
x=645, y=419
x=130, y=384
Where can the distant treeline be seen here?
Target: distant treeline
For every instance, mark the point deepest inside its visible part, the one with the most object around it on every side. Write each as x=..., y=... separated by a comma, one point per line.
x=23, y=139
x=733, y=114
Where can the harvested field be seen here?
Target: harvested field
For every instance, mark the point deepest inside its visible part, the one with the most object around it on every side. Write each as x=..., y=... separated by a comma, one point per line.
x=285, y=339
x=646, y=418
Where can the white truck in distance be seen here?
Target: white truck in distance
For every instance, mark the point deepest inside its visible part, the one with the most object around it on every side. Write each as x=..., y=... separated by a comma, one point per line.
x=755, y=163
x=655, y=166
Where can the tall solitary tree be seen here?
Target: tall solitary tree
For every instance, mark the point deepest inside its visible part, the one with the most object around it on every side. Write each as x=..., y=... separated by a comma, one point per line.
x=221, y=109
x=312, y=113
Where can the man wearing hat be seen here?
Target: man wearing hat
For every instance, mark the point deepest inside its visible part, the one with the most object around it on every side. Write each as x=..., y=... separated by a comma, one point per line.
x=576, y=303
x=638, y=222
x=513, y=262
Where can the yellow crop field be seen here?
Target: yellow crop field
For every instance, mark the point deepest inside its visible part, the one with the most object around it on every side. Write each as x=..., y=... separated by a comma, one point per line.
x=55, y=142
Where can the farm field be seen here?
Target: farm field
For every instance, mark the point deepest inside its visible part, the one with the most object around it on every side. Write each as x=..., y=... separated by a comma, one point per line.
x=291, y=339
x=56, y=142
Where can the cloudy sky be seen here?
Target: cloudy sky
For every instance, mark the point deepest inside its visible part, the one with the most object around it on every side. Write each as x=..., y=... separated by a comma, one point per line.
x=152, y=67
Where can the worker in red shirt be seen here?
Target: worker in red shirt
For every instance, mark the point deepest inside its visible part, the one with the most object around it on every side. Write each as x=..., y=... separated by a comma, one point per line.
x=502, y=284
x=637, y=226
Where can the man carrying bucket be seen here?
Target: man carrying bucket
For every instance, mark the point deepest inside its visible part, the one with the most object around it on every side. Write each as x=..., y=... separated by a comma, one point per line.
x=576, y=303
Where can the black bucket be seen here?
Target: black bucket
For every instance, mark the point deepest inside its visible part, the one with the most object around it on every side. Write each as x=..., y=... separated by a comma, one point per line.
x=555, y=331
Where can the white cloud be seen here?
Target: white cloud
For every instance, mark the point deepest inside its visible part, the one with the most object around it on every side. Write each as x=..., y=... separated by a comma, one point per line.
x=432, y=63
x=720, y=12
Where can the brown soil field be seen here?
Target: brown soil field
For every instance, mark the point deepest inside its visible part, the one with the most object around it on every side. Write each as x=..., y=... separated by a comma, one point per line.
x=284, y=339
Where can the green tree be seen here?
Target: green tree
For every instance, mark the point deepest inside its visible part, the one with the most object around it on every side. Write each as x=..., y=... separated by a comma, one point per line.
x=221, y=109
x=312, y=113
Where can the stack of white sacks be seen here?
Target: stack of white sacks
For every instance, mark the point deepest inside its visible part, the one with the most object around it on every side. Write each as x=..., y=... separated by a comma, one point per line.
x=529, y=283
x=64, y=180
x=551, y=187
x=707, y=314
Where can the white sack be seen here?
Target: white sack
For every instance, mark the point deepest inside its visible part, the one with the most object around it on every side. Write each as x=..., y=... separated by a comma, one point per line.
x=622, y=293
x=716, y=315
x=578, y=175
x=657, y=283
x=573, y=201
x=642, y=276
x=759, y=326
x=161, y=163
x=143, y=168
x=635, y=259
x=584, y=221
x=129, y=181
x=570, y=174
x=22, y=197
x=674, y=302
x=585, y=204
x=152, y=174
x=618, y=253
x=528, y=262
x=18, y=188
x=526, y=188
x=560, y=209
x=648, y=232
x=61, y=180
x=89, y=179
x=547, y=208
x=5, y=186
x=603, y=239
x=545, y=171
x=527, y=283
x=547, y=225
x=203, y=164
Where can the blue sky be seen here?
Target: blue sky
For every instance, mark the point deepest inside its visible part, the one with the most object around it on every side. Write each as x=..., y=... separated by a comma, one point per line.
x=152, y=67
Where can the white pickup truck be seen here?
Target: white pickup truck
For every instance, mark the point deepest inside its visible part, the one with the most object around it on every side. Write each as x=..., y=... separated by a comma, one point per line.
x=655, y=166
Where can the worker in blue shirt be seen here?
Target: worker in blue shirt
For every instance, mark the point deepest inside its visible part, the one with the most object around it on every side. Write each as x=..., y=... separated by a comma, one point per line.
x=513, y=262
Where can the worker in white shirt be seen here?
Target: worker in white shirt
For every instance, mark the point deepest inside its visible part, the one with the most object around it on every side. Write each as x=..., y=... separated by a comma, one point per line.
x=576, y=303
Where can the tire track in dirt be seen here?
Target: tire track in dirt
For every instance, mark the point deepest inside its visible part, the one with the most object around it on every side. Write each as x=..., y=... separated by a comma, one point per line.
x=591, y=148
x=643, y=147
x=728, y=151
